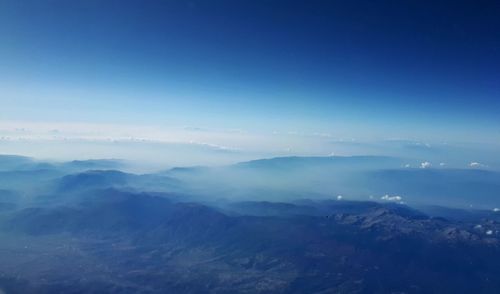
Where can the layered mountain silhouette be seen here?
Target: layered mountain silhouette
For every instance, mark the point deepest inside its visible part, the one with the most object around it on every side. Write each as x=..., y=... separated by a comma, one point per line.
x=101, y=230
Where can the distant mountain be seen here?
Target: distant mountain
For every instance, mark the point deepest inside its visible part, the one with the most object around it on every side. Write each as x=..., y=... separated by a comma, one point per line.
x=281, y=178
x=18, y=173
x=92, y=164
x=293, y=164
x=27, y=179
x=345, y=162
x=15, y=162
x=284, y=179
x=187, y=170
x=21, y=163
x=93, y=179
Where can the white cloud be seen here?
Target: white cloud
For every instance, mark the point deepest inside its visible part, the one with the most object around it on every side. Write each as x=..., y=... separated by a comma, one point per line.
x=391, y=198
x=442, y=164
x=196, y=129
x=496, y=209
x=327, y=135
x=475, y=164
x=425, y=164
x=339, y=197
x=407, y=165
x=215, y=146
x=489, y=232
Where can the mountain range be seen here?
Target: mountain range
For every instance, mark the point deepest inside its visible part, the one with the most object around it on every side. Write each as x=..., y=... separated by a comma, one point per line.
x=109, y=231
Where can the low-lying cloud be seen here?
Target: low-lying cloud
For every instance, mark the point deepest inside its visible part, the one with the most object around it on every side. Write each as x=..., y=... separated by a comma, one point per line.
x=425, y=164
x=391, y=198
x=476, y=165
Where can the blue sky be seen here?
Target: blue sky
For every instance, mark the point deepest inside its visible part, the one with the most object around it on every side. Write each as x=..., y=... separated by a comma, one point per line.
x=342, y=70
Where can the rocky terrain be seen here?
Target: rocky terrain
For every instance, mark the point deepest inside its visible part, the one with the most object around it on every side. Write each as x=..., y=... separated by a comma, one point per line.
x=116, y=241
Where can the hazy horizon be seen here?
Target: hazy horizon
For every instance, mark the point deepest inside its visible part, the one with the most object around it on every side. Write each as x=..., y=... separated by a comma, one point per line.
x=187, y=83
